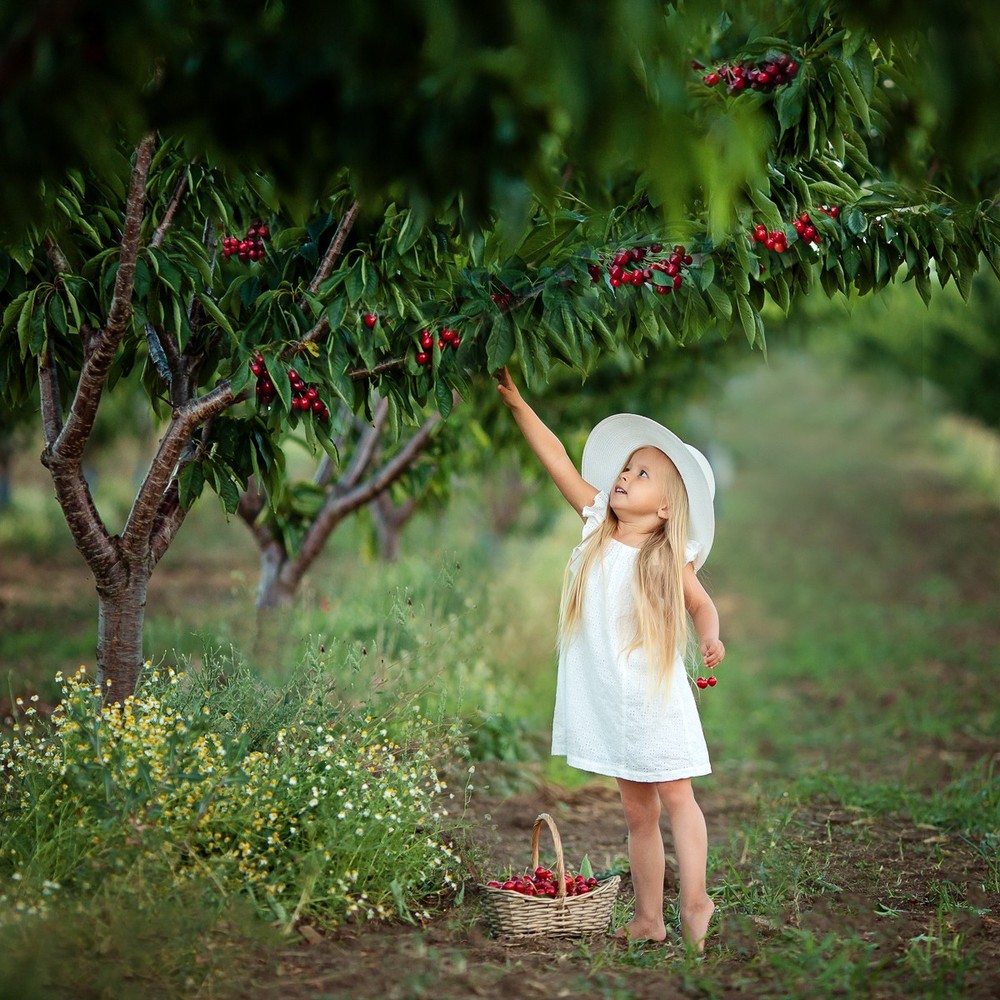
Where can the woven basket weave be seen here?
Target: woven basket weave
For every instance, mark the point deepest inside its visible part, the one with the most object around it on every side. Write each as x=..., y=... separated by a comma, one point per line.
x=514, y=915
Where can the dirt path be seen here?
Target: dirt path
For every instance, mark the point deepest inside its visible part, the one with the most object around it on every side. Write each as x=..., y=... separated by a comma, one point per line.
x=880, y=892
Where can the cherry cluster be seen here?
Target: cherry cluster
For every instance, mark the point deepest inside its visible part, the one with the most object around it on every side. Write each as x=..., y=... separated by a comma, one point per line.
x=774, y=240
x=707, y=682
x=448, y=337
x=305, y=398
x=502, y=299
x=764, y=76
x=637, y=265
x=832, y=210
x=251, y=247
x=806, y=230
x=545, y=883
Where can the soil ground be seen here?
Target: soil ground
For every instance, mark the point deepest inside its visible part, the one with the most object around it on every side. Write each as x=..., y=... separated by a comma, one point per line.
x=891, y=869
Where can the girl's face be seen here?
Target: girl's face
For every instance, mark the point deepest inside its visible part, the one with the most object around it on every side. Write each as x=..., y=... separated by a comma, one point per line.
x=641, y=486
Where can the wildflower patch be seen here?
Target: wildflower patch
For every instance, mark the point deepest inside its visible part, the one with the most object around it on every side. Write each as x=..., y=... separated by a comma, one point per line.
x=312, y=810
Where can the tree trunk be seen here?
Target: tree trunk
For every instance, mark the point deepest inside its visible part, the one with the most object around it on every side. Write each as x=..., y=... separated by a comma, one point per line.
x=274, y=590
x=389, y=520
x=120, y=617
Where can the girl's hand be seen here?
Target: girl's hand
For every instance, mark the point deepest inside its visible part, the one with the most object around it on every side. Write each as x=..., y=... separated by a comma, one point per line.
x=713, y=652
x=505, y=386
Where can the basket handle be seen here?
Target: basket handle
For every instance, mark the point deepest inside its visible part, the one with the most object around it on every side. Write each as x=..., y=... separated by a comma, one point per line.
x=557, y=841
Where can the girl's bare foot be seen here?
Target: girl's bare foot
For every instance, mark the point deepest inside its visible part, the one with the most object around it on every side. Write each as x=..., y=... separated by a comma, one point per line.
x=694, y=924
x=642, y=930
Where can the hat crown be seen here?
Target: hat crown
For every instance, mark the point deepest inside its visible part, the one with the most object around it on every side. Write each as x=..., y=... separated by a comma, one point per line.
x=618, y=436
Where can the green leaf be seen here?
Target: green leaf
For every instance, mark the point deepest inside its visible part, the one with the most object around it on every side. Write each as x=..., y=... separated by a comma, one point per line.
x=190, y=483
x=443, y=396
x=499, y=346
x=854, y=91
x=722, y=305
x=355, y=286
x=229, y=493
x=789, y=104
x=747, y=318
x=220, y=318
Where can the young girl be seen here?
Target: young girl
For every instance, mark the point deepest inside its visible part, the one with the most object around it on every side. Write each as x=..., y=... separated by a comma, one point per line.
x=624, y=706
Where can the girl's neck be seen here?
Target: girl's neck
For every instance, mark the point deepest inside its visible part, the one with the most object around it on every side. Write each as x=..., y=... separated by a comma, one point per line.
x=633, y=535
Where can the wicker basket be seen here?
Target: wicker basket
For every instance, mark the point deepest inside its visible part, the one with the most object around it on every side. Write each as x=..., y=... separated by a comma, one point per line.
x=514, y=915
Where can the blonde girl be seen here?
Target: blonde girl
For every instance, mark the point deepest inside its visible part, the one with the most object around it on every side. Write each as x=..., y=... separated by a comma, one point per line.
x=624, y=704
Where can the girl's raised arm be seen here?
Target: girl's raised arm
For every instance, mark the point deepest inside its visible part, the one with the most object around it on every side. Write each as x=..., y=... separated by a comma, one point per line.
x=550, y=450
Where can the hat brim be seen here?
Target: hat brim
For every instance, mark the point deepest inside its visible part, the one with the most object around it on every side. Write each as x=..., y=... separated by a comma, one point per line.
x=616, y=437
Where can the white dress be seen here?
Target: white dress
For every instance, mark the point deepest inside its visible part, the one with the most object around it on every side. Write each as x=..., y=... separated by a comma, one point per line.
x=608, y=718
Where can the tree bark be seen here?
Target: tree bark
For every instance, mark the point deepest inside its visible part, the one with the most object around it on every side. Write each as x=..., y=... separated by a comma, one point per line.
x=120, y=618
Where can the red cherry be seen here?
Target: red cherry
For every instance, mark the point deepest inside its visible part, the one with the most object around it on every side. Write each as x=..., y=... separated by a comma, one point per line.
x=509, y=884
x=493, y=884
x=678, y=281
x=317, y=405
x=615, y=282
x=262, y=232
x=662, y=289
x=834, y=211
x=370, y=319
x=456, y=341
x=687, y=259
x=712, y=681
x=702, y=682
x=427, y=340
x=422, y=359
x=711, y=79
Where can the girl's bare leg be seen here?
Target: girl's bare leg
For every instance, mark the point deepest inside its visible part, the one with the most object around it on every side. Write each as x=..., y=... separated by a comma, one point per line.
x=687, y=822
x=641, y=803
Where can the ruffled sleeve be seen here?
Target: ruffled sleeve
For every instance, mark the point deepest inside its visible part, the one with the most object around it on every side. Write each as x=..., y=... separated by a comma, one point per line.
x=691, y=551
x=594, y=514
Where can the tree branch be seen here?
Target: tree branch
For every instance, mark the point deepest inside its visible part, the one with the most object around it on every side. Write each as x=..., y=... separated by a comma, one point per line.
x=137, y=532
x=67, y=451
x=168, y=216
x=337, y=507
x=335, y=248
x=379, y=369
x=56, y=257
x=365, y=449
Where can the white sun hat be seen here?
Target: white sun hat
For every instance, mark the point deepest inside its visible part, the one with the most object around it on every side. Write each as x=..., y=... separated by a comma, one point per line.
x=615, y=438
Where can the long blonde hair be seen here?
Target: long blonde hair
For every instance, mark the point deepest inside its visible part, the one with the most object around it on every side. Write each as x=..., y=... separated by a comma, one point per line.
x=659, y=615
